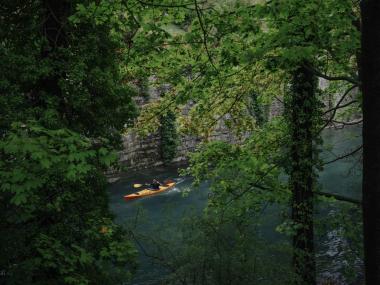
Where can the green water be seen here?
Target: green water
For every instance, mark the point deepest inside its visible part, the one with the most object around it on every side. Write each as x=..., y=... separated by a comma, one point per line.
x=344, y=176
x=160, y=215
x=155, y=216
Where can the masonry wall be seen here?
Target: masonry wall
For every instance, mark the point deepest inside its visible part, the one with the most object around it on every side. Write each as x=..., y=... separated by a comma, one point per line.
x=145, y=152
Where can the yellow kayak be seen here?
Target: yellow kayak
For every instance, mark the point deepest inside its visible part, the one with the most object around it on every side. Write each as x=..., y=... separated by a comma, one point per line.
x=149, y=192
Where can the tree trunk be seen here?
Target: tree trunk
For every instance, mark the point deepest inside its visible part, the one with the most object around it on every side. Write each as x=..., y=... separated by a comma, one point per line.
x=53, y=29
x=300, y=111
x=370, y=76
x=56, y=13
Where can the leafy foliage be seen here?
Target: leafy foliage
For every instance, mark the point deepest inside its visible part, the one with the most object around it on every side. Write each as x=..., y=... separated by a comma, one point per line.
x=74, y=83
x=55, y=209
x=223, y=53
x=64, y=103
x=69, y=71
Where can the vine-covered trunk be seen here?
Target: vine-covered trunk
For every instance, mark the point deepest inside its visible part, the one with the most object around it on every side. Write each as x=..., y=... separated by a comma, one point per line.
x=169, y=137
x=370, y=76
x=300, y=111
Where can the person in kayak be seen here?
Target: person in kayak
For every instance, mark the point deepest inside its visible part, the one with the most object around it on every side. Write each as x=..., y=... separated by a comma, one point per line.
x=155, y=185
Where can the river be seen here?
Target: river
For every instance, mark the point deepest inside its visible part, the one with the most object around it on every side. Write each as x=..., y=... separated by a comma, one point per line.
x=161, y=214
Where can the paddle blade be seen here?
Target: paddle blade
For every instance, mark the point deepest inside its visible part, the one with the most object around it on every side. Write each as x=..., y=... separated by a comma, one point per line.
x=137, y=185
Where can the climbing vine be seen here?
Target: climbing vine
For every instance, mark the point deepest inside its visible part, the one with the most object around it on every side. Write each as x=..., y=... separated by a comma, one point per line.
x=169, y=136
x=257, y=110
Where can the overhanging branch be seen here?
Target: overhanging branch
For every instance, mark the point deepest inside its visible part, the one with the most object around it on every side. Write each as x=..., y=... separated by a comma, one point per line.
x=344, y=156
x=339, y=197
x=332, y=78
x=184, y=5
x=338, y=106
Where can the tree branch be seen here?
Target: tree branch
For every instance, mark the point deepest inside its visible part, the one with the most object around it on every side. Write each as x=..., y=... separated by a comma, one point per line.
x=337, y=107
x=352, y=123
x=204, y=35
x=339, y=197
x=184, y=5
x=332, y=78
x=340, y=107
x=344, y=156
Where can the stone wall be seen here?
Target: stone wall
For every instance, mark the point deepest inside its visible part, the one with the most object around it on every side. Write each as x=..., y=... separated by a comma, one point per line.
x=144, y=152
x=140, y=152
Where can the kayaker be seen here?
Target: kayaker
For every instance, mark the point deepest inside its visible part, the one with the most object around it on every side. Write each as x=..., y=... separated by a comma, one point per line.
x=155, y=185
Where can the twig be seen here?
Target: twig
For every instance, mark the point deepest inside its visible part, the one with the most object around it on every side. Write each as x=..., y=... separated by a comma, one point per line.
x=255, y=184
x=204, y=35
x=340, y=107
x=237, y=98
x=344, y=156
x=337, y=107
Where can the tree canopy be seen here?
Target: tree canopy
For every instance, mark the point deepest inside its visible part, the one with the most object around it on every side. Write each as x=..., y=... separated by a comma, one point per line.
x=274, y=73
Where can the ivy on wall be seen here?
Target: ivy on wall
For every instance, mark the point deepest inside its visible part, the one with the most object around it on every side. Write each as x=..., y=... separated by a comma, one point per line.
x=257, y=110
x=169, y=136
